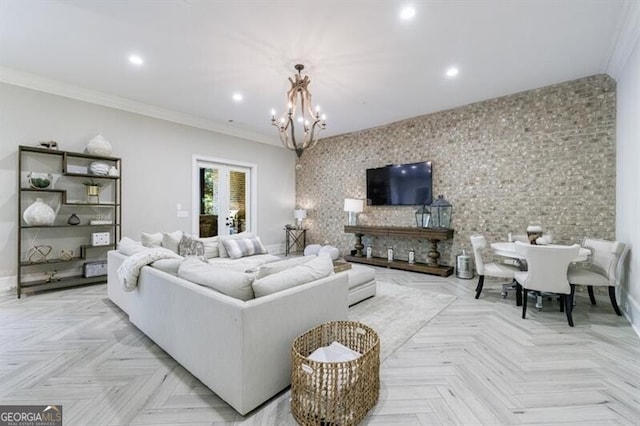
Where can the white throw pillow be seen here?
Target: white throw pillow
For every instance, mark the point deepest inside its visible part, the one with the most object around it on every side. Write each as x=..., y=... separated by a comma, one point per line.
x=171, y=240
x=241, y=247
x=152, y=240
x=210, y=247
x=170, y=266
x=231, y=283
x=316, y=268
x=330, y=251
x=222, y=238
x=127, y=246
x=312, y=249
x=281, y=265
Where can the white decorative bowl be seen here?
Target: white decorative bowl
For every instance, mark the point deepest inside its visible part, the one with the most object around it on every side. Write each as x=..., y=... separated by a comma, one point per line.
x=98, y=168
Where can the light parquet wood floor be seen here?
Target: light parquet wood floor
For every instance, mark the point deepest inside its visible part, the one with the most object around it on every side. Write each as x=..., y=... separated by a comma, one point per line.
x=476, y=362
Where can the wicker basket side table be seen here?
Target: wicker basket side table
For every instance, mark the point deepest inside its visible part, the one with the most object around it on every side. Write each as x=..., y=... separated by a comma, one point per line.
x=335, y=393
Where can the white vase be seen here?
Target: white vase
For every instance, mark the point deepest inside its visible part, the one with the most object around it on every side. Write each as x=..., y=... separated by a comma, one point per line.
x=99, y=146
x=39, y=214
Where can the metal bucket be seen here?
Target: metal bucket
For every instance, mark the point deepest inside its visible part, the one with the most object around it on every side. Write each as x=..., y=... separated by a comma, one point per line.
x=463, y=266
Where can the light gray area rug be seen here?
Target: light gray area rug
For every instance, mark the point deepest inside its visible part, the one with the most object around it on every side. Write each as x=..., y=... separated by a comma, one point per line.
x=396, y=313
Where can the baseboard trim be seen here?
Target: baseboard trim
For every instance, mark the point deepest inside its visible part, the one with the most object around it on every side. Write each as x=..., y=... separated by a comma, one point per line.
x=631, y=309
x=8, y=284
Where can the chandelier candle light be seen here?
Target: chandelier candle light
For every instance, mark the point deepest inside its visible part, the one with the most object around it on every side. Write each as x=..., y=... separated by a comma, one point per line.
x=311, y=122
x=353, y=206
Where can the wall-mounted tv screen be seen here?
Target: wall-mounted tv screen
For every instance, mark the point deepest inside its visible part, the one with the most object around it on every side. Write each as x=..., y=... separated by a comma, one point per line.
x=399, y=185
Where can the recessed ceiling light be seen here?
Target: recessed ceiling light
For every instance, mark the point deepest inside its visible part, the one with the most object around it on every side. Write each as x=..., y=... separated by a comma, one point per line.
x=237, y=97
x=136, y=60
x=452, y=72
x=407, y=13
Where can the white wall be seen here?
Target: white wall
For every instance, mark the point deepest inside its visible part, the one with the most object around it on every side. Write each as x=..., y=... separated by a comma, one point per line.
x=156, y=162
x=627, y=75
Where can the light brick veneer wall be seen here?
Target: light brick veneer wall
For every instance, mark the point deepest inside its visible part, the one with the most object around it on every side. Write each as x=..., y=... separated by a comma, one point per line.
x=545, y=155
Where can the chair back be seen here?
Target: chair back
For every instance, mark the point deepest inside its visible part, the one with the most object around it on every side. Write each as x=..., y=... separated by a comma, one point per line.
x=478, y=243
x=604, y=257
x=547, y=266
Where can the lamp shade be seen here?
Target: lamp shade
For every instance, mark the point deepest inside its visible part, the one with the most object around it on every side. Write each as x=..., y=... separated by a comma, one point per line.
x=354, y=205
x=299, y=214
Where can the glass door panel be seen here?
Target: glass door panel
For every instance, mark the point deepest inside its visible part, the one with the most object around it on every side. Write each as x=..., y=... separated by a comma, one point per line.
x=223, y=199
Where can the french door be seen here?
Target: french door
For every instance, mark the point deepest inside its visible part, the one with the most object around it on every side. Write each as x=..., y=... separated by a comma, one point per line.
x=222, y=197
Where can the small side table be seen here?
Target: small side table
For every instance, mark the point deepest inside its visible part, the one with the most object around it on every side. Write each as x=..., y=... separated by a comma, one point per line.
x=295, y=239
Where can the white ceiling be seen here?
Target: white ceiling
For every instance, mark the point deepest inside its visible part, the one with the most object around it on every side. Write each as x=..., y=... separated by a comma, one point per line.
x=367, y=67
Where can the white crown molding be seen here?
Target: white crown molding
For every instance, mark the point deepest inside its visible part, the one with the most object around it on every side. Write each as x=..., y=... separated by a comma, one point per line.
x=628, y=38
x=42, y=84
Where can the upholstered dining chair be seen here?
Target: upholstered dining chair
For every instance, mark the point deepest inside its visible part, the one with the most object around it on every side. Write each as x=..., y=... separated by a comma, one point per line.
x=547, y=272
x=602, y=269
x=519, y=237
x=492, y=269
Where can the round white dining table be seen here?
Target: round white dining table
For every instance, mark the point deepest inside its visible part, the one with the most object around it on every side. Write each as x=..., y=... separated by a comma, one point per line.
x=509, y=250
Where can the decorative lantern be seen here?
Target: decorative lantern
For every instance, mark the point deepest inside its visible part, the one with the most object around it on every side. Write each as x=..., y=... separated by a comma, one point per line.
x=423, y=217
x=441, y=211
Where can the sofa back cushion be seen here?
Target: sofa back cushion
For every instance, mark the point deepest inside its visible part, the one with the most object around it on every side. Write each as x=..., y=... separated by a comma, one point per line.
x=223, y=238
x=232, y=283
x=127, y=246
x=210, y=247
x=241, y=247
x=314, y=269
x=171, y=240
x=281, y=265
x=151, y=240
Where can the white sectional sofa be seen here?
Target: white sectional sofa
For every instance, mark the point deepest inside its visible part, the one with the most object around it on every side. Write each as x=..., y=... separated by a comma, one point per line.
x=362, y=283
x=239, y=349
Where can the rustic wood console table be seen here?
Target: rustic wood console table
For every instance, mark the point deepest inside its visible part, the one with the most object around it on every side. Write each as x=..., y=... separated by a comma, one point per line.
x=432, y=235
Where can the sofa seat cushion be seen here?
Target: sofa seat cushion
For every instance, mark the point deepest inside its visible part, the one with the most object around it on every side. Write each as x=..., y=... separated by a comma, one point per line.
x=359, y=275
x=362, y=283
x=232, y=283
x=249, y=263
x=316, y=268
x=170, y=266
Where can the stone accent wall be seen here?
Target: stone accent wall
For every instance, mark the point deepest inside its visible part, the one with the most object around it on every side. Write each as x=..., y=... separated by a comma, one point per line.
x=546, y=155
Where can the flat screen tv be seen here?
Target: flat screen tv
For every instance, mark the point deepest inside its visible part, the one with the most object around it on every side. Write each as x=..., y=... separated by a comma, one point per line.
x=399, y=185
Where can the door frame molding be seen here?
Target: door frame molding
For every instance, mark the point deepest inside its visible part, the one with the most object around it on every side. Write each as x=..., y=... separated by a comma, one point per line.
x=195, y=189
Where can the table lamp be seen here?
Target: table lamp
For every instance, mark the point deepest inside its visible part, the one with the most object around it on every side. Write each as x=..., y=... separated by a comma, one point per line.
x=299, y=214
x=353, y=206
